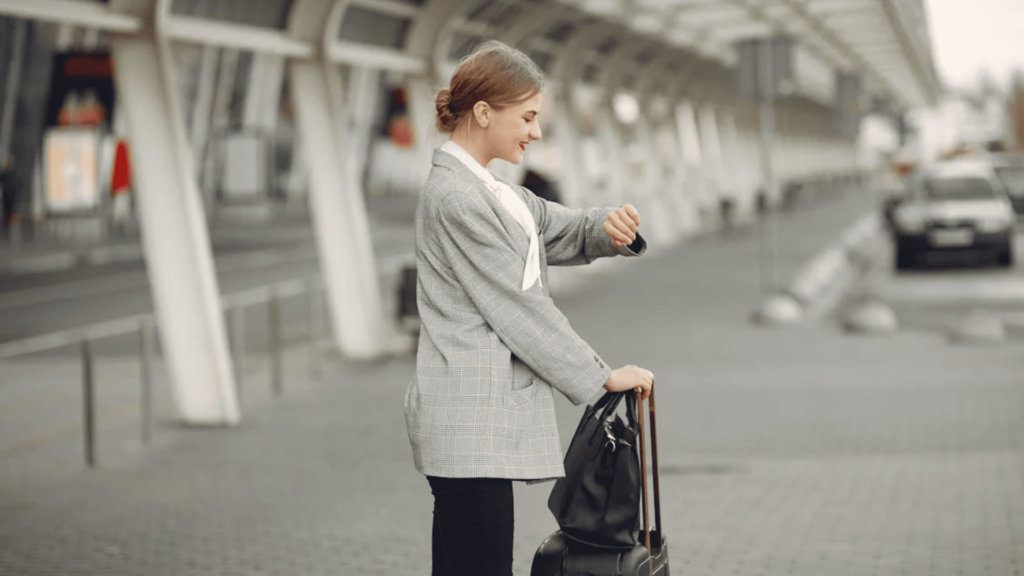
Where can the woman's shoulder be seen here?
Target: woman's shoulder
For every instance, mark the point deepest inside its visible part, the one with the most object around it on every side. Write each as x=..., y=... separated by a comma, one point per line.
x=446, y=188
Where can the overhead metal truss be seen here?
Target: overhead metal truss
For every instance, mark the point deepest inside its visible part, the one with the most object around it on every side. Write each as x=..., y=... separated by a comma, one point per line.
x=885, y=42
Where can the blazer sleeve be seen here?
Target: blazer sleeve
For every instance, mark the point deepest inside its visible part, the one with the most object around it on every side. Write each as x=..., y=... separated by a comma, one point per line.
x=489, y=269
x=572, y=237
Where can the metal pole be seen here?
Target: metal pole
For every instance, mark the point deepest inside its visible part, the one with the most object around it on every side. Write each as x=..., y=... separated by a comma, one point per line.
x=769, y=222
x=88, y=405
x=314, y=329
x=237, y=314
x=274, y=340
x=146, y=372
x=11, y=94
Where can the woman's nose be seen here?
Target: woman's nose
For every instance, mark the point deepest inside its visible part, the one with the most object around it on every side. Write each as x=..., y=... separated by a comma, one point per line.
x=535, y=132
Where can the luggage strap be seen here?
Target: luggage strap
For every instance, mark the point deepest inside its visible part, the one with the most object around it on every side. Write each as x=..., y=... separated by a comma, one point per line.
x=654, y=468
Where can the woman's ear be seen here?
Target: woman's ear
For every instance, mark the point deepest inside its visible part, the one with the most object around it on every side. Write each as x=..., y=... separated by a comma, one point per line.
x=482, y=113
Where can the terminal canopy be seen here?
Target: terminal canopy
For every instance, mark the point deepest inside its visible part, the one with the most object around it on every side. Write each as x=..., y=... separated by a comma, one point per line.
x=884, y=42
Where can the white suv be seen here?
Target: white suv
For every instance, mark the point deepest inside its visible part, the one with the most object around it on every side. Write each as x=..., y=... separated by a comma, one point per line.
x=954, y=206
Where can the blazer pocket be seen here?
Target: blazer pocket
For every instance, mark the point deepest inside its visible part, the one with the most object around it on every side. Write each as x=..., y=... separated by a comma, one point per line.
x=521, y=398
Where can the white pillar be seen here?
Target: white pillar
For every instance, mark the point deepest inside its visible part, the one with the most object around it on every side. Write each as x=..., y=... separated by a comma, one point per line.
x=620, y=186
x=572, y=174
x=577, y=191
x=218, y=121
x=339, y=213
x=731, y=163
x=422, y=90
x=654, y=184
x=711, y=151
x=362, y=98
x=175, y=236
x=691, y=160
x=202, y=107
x=263, y=96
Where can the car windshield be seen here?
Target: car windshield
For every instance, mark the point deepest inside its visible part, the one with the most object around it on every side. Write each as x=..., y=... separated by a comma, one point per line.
x=1013, y=179
x=963, y=188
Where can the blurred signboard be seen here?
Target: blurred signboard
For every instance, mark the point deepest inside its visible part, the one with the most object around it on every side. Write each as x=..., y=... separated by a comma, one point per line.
x=71, y=173
x=759, y=56
x=246, y=175
x=850, y=104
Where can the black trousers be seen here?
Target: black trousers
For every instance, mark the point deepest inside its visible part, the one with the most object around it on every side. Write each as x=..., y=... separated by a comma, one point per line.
x=473, y=523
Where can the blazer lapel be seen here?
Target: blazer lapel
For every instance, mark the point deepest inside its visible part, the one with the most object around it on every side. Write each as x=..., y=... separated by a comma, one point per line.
x=508, y=222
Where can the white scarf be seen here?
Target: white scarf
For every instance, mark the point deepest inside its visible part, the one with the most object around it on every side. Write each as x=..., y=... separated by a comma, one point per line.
x=513, y=203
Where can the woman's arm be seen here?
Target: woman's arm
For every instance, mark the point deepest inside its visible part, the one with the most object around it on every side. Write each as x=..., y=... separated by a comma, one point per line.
x=573, y=237
x=489, y=269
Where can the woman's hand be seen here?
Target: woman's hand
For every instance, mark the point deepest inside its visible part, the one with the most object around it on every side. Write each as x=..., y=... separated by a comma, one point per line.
x=631, y=378
x=622, y=225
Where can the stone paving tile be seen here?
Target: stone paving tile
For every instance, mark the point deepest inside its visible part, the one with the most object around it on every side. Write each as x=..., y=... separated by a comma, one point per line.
x=785, y=452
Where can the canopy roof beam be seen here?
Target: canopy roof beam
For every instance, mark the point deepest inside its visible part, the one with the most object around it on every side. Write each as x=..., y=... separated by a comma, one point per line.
x=72, y=13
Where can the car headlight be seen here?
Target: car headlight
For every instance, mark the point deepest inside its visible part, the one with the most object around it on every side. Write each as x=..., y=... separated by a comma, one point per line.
x=909, y=219
x=994, y=224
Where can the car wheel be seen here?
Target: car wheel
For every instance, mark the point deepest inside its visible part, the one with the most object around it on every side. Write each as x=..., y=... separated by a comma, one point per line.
x=1004, y=257
x=905, y=259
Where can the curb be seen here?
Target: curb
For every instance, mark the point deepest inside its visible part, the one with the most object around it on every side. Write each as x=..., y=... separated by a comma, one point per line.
x=823, y=281
x=58, y=260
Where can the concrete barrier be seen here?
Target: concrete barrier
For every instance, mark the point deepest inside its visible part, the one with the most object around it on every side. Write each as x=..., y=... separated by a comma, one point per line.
x=821, y=283
x=871, y=317
x=978, y=328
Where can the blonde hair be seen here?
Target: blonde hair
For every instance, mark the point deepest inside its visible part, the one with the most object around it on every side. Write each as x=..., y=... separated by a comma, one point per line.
x=495, y=73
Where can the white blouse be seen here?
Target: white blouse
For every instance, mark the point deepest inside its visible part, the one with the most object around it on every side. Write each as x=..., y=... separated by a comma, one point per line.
x=512, y=202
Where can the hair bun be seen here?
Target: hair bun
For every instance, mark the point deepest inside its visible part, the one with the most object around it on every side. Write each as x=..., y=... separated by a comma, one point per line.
x=447, y=116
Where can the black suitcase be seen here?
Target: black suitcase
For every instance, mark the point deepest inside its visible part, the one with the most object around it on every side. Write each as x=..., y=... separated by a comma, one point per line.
x=560, y=555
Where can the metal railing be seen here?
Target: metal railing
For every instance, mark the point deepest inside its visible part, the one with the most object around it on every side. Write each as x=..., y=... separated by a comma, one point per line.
x=144, y=325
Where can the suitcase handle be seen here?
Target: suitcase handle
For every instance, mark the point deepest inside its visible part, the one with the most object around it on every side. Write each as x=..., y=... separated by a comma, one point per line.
x=654, y=466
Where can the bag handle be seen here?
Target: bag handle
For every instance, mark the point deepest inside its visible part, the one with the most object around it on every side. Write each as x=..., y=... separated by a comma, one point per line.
x=643, y=469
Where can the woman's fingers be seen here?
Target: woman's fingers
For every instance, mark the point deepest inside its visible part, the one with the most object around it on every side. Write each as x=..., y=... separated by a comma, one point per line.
x=632, y=214
x=631, y=378
x=619, y=237
x=646, y=381
x=622, y=225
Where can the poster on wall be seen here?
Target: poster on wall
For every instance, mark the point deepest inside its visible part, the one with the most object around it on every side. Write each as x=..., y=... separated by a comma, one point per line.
x=81, y=90
x=71, y=162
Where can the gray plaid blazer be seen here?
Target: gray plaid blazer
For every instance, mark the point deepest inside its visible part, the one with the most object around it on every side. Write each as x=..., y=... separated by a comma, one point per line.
x=480, y=404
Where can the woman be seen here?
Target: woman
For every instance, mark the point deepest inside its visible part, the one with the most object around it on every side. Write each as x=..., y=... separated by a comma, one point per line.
x=480, y=410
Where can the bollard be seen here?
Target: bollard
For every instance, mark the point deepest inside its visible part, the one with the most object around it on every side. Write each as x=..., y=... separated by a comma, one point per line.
x=274, y=340
x=237, y=313
x=88, y=404
x=315, y=318
x=146, y=373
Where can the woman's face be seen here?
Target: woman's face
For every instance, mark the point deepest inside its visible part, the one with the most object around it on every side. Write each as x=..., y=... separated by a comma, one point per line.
x=512, y=128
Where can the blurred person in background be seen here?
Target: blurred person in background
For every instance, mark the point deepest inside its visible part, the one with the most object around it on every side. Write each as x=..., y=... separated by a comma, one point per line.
x=8, y=195
x=480, y=411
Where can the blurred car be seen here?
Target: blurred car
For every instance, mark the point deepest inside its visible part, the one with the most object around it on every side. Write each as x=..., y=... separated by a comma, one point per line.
x=1010, y=170
x=956, y=206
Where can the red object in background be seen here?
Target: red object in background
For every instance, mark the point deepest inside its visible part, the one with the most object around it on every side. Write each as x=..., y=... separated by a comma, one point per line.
x=88, y=66
x=904, y=168
x=121, y=176
x=400, y=132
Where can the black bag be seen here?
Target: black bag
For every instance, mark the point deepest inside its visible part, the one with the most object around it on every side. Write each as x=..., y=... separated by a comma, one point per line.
x=597, y=502
x=560, y=555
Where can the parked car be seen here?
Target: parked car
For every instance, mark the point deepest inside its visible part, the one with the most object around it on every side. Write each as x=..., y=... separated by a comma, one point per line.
x=1010, y=170
x=955, y=206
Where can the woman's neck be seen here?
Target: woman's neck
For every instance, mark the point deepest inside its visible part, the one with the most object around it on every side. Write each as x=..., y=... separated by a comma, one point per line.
x=472, y=142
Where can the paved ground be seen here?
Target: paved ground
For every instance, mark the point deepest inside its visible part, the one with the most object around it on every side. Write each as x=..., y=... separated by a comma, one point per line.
x=798, y=451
